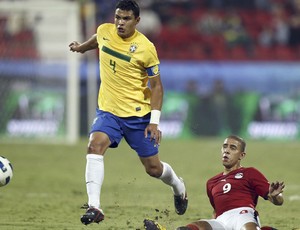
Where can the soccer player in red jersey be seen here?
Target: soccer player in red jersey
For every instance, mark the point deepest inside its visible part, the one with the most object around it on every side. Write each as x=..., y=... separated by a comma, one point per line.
x=234, y=192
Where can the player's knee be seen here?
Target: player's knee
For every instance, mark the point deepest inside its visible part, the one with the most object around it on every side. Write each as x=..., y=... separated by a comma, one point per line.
x=98, y=143
x=97, y=147
x=94, y=149
x=154, y=171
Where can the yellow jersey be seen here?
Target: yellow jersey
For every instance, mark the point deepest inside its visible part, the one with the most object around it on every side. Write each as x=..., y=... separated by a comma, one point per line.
x=125, y=68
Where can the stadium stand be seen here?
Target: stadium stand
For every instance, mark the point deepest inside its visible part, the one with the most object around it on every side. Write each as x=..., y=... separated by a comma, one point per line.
x=265, y=30
x=19, y=43
x=209, y=30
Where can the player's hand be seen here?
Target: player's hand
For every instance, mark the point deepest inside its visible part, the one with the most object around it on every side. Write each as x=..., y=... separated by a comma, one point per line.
x=75, y=47
x=155, y=133
x=275, y=192
x=276, y=188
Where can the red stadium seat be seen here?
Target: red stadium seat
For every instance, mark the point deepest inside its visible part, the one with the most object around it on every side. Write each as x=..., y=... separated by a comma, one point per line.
x=284, y=53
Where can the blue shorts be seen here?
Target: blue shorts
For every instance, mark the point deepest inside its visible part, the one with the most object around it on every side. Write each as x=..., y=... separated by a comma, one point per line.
x=131, y=128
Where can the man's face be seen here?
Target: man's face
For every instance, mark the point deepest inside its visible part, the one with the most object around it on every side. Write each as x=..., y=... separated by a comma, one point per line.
x=125, y=23
x=231, y=153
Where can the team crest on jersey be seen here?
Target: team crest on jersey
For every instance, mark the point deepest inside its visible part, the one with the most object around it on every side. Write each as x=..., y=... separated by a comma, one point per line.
x=133, y=47
x=239, y=175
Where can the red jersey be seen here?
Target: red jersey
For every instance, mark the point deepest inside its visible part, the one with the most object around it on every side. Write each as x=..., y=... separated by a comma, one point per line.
x=239, y=188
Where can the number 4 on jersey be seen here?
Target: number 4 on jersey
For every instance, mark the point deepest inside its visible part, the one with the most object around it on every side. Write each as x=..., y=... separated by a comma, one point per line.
x=113, y=65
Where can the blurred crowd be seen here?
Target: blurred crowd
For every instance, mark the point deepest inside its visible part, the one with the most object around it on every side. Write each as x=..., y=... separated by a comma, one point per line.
x=219, y=29
x=193, y=29
x=17, y=39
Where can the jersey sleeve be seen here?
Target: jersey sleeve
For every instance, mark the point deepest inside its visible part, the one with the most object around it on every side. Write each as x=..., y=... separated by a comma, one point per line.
x=100, y=27
x=151, y=58
x=152, y=62
x=103, y=32
x=259, y=183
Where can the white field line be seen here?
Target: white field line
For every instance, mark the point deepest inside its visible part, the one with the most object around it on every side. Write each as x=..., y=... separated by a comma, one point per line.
x=295, y=196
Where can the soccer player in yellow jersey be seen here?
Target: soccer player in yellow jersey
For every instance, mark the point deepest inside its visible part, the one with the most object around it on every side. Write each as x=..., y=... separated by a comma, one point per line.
x=127, y=106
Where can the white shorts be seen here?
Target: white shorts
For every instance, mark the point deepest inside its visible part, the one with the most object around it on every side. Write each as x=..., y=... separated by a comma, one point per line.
x=234, y=219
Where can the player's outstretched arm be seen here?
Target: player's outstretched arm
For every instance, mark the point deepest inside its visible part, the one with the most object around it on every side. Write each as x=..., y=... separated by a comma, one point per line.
x=85, y=46
x=275, y=192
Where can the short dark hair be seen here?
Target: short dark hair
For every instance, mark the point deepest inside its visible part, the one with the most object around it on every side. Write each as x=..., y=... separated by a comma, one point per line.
x=129, y=5
x=240, y=140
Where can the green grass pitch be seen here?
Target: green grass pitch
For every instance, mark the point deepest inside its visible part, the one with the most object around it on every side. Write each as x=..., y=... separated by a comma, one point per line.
x=48, y=186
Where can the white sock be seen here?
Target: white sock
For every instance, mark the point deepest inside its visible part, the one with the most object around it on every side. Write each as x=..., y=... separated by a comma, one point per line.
x=94, y=175
x=170, y=178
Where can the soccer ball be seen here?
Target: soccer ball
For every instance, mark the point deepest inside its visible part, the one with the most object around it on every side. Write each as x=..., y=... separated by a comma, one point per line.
x=6, y=171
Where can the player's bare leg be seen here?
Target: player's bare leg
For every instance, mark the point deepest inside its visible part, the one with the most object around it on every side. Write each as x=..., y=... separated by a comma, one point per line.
x=163, y=171
x=94, y=175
